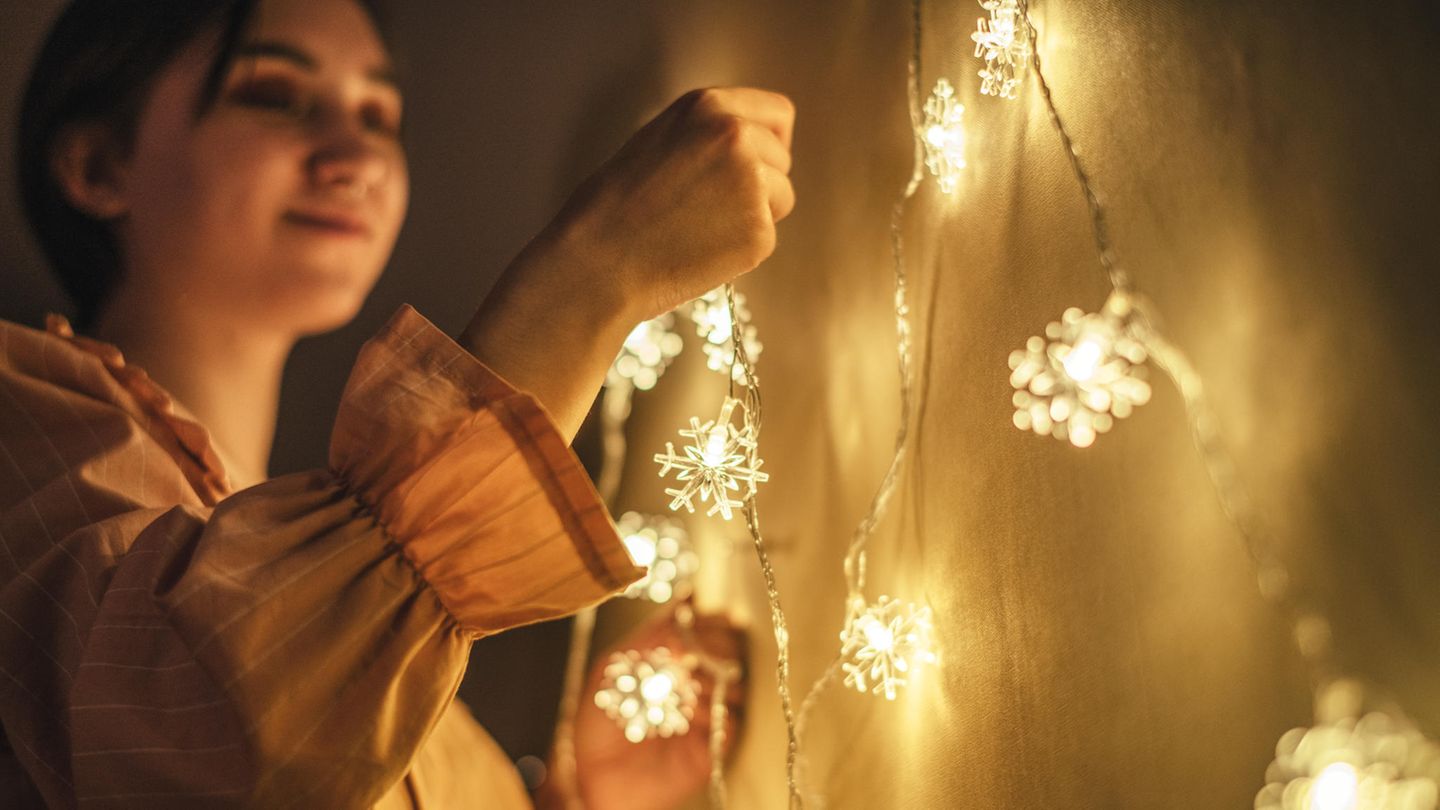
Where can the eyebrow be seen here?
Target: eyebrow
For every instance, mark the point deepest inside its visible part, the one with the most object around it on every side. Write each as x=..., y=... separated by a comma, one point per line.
x=300, y=58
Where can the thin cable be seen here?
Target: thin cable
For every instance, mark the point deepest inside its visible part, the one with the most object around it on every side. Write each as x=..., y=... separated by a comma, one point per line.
x=1276, y=583
x=718, y=715
x=855, y=555
x=1117, y=277
x=752, y=415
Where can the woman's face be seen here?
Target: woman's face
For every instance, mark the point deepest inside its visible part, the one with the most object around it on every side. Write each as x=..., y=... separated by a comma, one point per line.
x=280, y=206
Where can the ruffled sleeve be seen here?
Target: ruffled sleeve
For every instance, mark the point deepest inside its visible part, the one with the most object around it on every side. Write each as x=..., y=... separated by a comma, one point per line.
x=472, y=479
x=294, y=644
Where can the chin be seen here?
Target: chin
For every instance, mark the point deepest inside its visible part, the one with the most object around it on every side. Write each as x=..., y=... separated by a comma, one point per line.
x=315, y=306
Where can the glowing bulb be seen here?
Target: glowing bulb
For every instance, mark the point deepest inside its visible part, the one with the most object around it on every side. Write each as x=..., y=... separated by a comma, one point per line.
x=714, y=452
x=1082, y=361
x=718, y=464
x=1374, y=761
x=649, y=694
x=879, y=636
x=646, y=353
x=883, y=645
x=657, y=687
x=1336, y=788
x=943, y=135
x=641, y=548
x=711, y=314
x=662, y=546
x=1001, y=41
x=1083, y=374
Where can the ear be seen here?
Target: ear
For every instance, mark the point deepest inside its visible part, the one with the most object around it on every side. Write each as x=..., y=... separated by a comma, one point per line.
x=88, y=168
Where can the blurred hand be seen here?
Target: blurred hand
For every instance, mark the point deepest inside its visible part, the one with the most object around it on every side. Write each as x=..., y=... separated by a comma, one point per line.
x=658, y=773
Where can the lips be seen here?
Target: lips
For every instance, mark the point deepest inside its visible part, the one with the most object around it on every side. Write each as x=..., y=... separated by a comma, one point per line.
x=339, y=223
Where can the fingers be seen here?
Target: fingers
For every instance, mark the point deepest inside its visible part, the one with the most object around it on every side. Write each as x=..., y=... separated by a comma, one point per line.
x=771, y=110
x=781, y=193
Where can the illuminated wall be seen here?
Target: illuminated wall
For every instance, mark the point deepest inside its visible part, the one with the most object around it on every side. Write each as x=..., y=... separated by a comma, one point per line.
x=1272, y=180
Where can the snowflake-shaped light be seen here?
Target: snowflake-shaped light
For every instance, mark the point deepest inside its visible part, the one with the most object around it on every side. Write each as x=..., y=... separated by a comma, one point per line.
x=1374, y=763
x=883, y=643
x=647, y=352
x=649, y=694
x=1002, y=42
x=715, y=464
x=662, y=546
x=1083, y=375
x=944, y=136
x=711, y=315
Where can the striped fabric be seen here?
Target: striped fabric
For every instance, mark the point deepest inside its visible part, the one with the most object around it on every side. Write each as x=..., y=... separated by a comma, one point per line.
x=167, y=643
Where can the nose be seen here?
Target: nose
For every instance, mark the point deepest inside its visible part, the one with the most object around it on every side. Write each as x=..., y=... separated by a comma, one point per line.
x=346, y=162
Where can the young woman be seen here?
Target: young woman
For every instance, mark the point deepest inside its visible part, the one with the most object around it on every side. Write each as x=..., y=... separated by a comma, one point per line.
x=212, y=180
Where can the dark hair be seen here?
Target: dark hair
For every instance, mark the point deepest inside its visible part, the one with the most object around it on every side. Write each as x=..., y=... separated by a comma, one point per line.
x=98, y=66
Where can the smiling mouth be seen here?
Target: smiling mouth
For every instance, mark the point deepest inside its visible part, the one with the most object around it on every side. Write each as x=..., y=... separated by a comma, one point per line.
x=338, y=225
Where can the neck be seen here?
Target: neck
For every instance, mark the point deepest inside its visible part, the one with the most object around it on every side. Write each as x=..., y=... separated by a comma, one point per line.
x=225, y=374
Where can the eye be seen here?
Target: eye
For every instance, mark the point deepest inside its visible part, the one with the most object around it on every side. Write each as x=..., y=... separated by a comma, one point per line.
x=273, y=94
x=381, y=118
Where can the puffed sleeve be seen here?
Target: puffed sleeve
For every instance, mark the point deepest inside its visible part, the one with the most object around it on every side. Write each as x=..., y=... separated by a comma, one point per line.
x=293, y=644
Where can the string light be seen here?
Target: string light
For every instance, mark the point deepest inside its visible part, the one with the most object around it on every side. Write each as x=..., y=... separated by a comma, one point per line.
x=711, y=315
x=883, y=644
x=719, y=458
x=1001, y=41
x=662, y=546
x=1084, y=374
x=649, y=694
x=1374, y=763
x=943, y=134
x=648, y=351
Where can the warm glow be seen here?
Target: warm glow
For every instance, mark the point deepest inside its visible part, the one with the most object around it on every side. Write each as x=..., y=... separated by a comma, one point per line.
x=647, y=352
x=657, y=687
x=879, y=636
x=1082, y=361
x=714, y=452
x=1084, y=373
x=1002, y=41
x=884, y=645
x=1336, y=788
x=711, y=314
x=716, y=466
x=662, y=546
x=649, y=694
x=944, y=136
x=641, y=548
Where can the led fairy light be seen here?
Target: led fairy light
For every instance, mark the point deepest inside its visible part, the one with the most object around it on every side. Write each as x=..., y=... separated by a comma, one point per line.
x=661, y=546
x=1083, y=375
x=718, y=460
x=752, y=410
x=868, y=650
x=1352, y=761
x=648, y=350
x=943, y=133
x=711, y=314
x=884, y=644
x=649, y=694
x=1376, y=762
x=1000, y=39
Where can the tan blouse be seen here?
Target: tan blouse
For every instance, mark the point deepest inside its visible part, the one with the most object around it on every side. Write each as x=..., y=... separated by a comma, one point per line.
x=165, y=642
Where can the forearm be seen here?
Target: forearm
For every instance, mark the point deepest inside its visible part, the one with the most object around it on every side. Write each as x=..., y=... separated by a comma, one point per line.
x=549, y=336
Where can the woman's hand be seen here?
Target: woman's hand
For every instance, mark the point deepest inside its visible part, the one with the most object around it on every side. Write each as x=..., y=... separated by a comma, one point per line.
x=689, y=203
x=660, y=772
